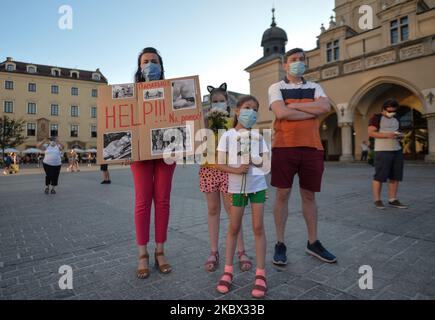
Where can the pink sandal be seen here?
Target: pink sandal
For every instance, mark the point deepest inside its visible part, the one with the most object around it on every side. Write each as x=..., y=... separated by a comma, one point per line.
x=210, y=265
x=244, y=265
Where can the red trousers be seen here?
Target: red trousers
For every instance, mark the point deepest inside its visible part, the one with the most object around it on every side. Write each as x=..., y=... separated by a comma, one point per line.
x=152, y=181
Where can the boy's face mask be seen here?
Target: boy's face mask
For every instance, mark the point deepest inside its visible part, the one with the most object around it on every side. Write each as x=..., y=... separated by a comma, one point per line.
x=152, y=71
x=297, y=69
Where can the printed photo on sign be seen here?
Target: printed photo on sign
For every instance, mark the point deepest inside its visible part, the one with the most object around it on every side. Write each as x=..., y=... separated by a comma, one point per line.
x=183, y=94
x=123, y=91
x=176, y=139
x=117, y=145
x=154, y=94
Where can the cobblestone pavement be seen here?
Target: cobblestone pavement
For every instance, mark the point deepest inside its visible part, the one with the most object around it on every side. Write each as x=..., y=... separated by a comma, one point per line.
x=90, y=227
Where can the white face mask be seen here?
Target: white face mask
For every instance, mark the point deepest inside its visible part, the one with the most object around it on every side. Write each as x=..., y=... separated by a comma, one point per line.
x=390, y=114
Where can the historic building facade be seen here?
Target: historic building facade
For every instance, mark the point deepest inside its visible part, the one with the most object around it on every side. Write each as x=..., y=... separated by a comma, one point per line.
x=360, y=68
x=53, y=101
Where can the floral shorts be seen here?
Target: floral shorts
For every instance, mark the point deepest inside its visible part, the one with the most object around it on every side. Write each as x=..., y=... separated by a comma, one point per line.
x=212, y=180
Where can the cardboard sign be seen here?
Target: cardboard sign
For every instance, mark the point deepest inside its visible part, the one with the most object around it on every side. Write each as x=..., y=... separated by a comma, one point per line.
x=141, y=121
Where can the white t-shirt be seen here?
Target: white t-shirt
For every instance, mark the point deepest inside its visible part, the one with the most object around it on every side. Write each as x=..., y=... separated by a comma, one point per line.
x=235, y=145
x=52, y=156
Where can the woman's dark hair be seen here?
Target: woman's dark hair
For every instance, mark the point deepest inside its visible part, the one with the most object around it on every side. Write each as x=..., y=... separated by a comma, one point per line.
x=241, y=102
x=138, y=77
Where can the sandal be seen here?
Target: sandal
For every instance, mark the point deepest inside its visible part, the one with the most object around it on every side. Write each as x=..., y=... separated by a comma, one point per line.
x=145, y=272
x=212, y=265
x=164, y=268
x=224, y=283
x=244, y=265
x=260, y=288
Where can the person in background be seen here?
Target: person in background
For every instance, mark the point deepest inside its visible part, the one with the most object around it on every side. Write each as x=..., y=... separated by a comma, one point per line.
x=384, y=128
x=364, y=151
x=106, y=175
x=52, y=162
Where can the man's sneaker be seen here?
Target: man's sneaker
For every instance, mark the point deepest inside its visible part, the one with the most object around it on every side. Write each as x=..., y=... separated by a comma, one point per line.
x=280, y=257
x=317, y=250
x=397, y=204
x=379, y=205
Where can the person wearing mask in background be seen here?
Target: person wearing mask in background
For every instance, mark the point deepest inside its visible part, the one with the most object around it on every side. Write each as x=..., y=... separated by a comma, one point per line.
x=364, y=151
x=52, y=162
x=297, y=149
x=384, y=127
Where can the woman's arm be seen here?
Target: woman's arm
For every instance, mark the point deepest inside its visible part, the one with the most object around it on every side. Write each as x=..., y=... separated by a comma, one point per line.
x=40, y=145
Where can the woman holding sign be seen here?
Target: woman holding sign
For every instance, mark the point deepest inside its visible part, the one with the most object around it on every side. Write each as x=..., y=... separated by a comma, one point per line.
x=152, y=182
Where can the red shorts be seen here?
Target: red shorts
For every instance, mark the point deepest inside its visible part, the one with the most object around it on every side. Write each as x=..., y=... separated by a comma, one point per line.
x=212, y=180
x=306, y=162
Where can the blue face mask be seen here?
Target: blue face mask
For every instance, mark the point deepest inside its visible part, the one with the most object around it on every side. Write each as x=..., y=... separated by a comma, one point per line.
x=248, y=118
x=297, y=69
x=219, y=105
x=152, y=71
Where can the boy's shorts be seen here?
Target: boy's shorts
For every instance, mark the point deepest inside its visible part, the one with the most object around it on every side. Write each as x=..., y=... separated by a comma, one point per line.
x=241, y=199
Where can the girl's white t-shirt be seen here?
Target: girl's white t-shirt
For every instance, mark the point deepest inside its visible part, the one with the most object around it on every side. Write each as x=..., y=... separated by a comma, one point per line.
x=232, y=142
x=52, y=156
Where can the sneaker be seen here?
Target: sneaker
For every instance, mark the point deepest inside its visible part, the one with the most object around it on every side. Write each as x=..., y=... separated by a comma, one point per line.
x=317, y=250
x=379, y=205
x=397, y=204
x=53, y=191
x=47, y=190
x=280, y=257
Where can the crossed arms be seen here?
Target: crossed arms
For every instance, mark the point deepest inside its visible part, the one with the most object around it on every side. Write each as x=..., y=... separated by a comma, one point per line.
x=302, y=110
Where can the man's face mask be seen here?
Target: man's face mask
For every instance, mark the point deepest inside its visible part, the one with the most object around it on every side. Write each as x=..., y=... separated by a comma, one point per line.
x=390, y=114
x=248, y=118
x=152, y=71
x=297, y=69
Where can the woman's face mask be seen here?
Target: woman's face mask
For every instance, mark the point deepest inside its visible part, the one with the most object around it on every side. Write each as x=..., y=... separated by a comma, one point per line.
x=248, y=118
x=152, y=71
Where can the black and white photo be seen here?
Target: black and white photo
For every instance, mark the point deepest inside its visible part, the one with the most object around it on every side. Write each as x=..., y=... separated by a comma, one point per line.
x=176, y=139
x=123, y=91
x=154, y=94
x=183, y=94
x=117, y=146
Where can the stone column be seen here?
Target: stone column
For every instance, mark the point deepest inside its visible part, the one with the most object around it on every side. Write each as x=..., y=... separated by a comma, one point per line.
x=346, y=142
x=431, y=133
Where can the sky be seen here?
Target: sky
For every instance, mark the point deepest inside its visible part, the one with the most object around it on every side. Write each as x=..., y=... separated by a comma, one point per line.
x=216, y=40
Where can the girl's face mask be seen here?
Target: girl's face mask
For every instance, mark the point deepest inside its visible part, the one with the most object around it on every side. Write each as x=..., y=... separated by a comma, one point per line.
x=219, y=105
x=248, y=118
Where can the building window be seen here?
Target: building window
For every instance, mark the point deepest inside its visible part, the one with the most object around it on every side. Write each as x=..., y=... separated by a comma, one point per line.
x=32, y=87
x=55, y=72
x=54, y=130
x=333, y=51
x=54, y=110
x=93, y=131
x=31, y=129
x=399, y=30
x=31, y=69
x=74, y=74
x=74, y=91
x=9, y=107
x=74, y=131
x=94, y=112
x=9, y=85
x=74, y=111
x=54, y=89
x=10, y=67
x=96, y=77
x=31, y=108
x=94, y=93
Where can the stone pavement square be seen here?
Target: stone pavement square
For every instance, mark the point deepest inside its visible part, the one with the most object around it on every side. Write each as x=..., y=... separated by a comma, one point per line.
x=90, y=227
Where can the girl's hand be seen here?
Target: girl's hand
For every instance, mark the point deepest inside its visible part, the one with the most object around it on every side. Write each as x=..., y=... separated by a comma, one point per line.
x=243, y=169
